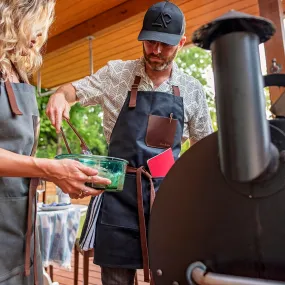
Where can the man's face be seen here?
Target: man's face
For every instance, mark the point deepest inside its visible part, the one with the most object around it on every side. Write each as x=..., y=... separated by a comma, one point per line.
x=158, y=55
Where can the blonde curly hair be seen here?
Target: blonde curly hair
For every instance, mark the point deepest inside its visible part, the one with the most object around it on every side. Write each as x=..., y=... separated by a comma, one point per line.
x=21, y=22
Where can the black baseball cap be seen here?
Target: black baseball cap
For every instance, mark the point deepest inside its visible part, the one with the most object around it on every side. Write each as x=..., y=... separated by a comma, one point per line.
x=163, y=22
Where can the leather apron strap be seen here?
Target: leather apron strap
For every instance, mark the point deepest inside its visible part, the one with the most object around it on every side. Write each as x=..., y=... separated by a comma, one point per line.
x=9, y=89
x=142, y=225
x=134, y=92
x=176, y=91
x=12, y=99
x=30, y=225
x=139, y=172
x=11, y=96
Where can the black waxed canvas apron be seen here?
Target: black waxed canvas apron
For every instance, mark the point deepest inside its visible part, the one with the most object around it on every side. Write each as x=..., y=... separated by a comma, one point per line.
x=148, y=124
x=20, y=264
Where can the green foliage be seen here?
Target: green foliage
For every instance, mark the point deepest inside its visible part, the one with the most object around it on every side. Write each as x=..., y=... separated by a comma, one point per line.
x=198, y=63
x=267, y=103
x=87, y=121
x=48, y=138
x=185, y=146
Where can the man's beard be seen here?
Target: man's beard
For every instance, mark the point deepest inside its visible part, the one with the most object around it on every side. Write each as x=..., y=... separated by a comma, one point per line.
x=159, y=66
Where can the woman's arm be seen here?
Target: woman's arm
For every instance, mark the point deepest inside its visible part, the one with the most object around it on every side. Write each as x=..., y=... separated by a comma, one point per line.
x=69, y=175
x=16, y=165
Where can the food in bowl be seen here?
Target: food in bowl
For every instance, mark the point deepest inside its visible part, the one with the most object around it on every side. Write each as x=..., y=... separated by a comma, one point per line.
x=108, y=167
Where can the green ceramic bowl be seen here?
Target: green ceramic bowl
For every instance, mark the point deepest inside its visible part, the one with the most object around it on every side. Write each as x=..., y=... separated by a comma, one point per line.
x=108, y=167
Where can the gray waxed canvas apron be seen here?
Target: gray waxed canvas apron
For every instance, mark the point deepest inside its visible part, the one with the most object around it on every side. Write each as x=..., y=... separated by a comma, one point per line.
x=20, y=264
x=148, y=123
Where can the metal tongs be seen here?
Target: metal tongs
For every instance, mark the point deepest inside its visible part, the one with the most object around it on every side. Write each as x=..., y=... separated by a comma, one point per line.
x=84, y=148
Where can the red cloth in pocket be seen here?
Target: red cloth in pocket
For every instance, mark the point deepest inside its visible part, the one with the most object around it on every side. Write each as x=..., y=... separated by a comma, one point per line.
x=160, y=164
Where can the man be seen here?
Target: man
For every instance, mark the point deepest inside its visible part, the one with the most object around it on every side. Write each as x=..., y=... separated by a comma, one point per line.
x=149, y=106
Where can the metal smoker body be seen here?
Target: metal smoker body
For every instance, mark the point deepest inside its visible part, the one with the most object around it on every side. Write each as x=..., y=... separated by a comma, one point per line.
x=219, y=215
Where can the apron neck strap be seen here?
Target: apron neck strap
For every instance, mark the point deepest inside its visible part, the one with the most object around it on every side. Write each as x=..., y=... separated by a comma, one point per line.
x=11, y=95
x=134, y=92
x=21, y=79
x=12, y=98
x=83, y=145
x=176, y=91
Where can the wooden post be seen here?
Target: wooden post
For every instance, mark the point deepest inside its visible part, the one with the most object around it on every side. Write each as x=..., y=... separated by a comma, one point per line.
x=274, y=48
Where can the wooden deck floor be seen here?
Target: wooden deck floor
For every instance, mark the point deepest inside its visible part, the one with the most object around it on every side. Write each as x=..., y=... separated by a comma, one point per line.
x=65, y=277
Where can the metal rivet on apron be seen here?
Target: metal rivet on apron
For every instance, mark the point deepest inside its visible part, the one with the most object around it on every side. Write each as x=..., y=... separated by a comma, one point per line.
x=159, y=272
x=171, y=117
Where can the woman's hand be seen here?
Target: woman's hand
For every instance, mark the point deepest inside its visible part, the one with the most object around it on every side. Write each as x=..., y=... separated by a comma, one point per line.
x=71, y=176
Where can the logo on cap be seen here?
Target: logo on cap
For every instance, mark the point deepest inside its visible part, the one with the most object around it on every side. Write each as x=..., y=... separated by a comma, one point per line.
x=162, y=20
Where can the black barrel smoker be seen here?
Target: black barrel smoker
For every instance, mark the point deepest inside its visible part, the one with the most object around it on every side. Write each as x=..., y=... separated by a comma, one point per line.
x=219, y=215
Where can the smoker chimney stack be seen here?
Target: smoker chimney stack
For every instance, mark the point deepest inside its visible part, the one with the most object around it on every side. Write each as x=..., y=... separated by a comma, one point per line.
x=245, y=146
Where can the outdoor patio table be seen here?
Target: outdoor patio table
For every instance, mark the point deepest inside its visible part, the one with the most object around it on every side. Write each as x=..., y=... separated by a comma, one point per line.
x=57, y=234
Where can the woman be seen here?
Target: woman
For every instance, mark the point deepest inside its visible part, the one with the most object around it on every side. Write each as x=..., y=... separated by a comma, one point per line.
x=24, y=27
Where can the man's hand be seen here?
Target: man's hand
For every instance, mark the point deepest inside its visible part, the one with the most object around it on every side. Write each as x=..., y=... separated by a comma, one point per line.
x=57, y=108
x=59, y=105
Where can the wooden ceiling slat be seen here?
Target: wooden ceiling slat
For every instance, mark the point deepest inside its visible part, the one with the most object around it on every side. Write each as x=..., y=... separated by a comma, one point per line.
x=118, y=47
x=71, y=13
x=83, y=52
x=61, y=52
x=215, y=9
x=65, y=31
x=253, y=10
x=76, y=75
x=117, y=38
x=73, y=53
x=121, y=32
x=67, y=58
x=72, y=63
x=135, y=27
x=98, y=41
x=57, y=71
x=84, y=64
x=210, y=14
x=99, y=22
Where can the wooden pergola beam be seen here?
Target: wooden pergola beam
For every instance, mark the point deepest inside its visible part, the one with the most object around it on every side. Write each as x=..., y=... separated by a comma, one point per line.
x=98, y=23
x=274, y=48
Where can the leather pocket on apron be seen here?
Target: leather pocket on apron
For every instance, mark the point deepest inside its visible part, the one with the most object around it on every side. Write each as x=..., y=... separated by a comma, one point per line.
x=160, y=131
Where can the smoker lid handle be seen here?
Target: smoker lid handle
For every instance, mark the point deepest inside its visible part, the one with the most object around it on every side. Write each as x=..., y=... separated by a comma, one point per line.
x=197, y=274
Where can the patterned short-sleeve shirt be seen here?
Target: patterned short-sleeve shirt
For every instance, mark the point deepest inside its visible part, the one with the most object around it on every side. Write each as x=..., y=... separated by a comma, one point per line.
x=109, y=87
